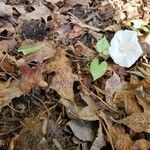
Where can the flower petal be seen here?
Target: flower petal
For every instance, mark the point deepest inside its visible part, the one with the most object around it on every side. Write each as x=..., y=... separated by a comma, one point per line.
x=125, y=49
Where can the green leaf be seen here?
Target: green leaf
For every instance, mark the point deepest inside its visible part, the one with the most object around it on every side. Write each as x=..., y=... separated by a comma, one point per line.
x=98, y=69
x=102, y=46
x=30, y=49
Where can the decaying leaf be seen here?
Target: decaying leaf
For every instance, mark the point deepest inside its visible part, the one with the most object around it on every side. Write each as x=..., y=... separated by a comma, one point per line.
x=83, y=130
x=77, y=2
x=83, y=50
x=80, y=112
x=141, y=144
x=44, y=13
x=76, y=32
x=54, y=1
x=30, y=77
x=127, y=100
x=99, y=141
x=63, y=79
x=120, y=139
x=5, y=10
x=139, y=122
x=6, y=95
x=113, y=85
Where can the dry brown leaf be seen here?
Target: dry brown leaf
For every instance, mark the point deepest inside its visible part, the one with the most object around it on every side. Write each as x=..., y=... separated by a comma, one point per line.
x=83, y=130
x=36, y=14
x=6, y=95
x=75, y=32
x=78, y=2
x=74, y=111
x=87, y=114
x=6, y=26
x=7, y=45
x=141, y=144
x=83, y=50
x=99, y=141
x=63, y=79
x=143, y=98
x=54, y=1
x=5, y=10
x=126, y=99
x=105, y=11
x=113, y=85
x=30, y=77
x=120, y=139
x=139, y=122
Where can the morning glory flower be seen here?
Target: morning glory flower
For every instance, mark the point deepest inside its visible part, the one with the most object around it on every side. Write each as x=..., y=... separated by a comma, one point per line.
x=124, y=48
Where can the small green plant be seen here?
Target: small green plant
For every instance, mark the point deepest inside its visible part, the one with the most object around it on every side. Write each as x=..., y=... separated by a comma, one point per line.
x=98, y=69
x=102, y=46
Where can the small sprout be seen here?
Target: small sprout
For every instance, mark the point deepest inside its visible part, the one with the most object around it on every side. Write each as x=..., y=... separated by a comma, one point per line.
x=98, y=69
x=125, y=49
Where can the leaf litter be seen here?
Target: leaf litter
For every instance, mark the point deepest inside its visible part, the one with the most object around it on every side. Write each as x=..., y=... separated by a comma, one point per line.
x=59, y=88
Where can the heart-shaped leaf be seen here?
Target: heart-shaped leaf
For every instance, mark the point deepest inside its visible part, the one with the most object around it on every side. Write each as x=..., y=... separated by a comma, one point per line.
x=102, y=46
x=98, y=69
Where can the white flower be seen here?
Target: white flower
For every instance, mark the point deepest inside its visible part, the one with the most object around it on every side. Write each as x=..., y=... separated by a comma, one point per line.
x=124, y=48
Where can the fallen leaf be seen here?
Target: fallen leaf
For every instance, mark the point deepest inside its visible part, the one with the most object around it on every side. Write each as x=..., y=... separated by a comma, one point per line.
x=139, y=122
x=97, y=69
x=5, y=10
x=54, y=1
x=30, y=77
x=83, y=50
x=141, y=144
x=143, y=98
x=6, y=95
x=36, y=14
x=127, y=100
x=105, y=11
x=81, y=112
x=99, y=141
x=113, y=85
x=76, y=32
x=7, y=45
x=77, y=2
x=88, y=114
x=63, y=79
x=83, y=130
x=120, y=139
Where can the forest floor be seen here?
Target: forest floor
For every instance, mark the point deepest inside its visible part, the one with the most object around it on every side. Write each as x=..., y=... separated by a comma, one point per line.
x=60, y=88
